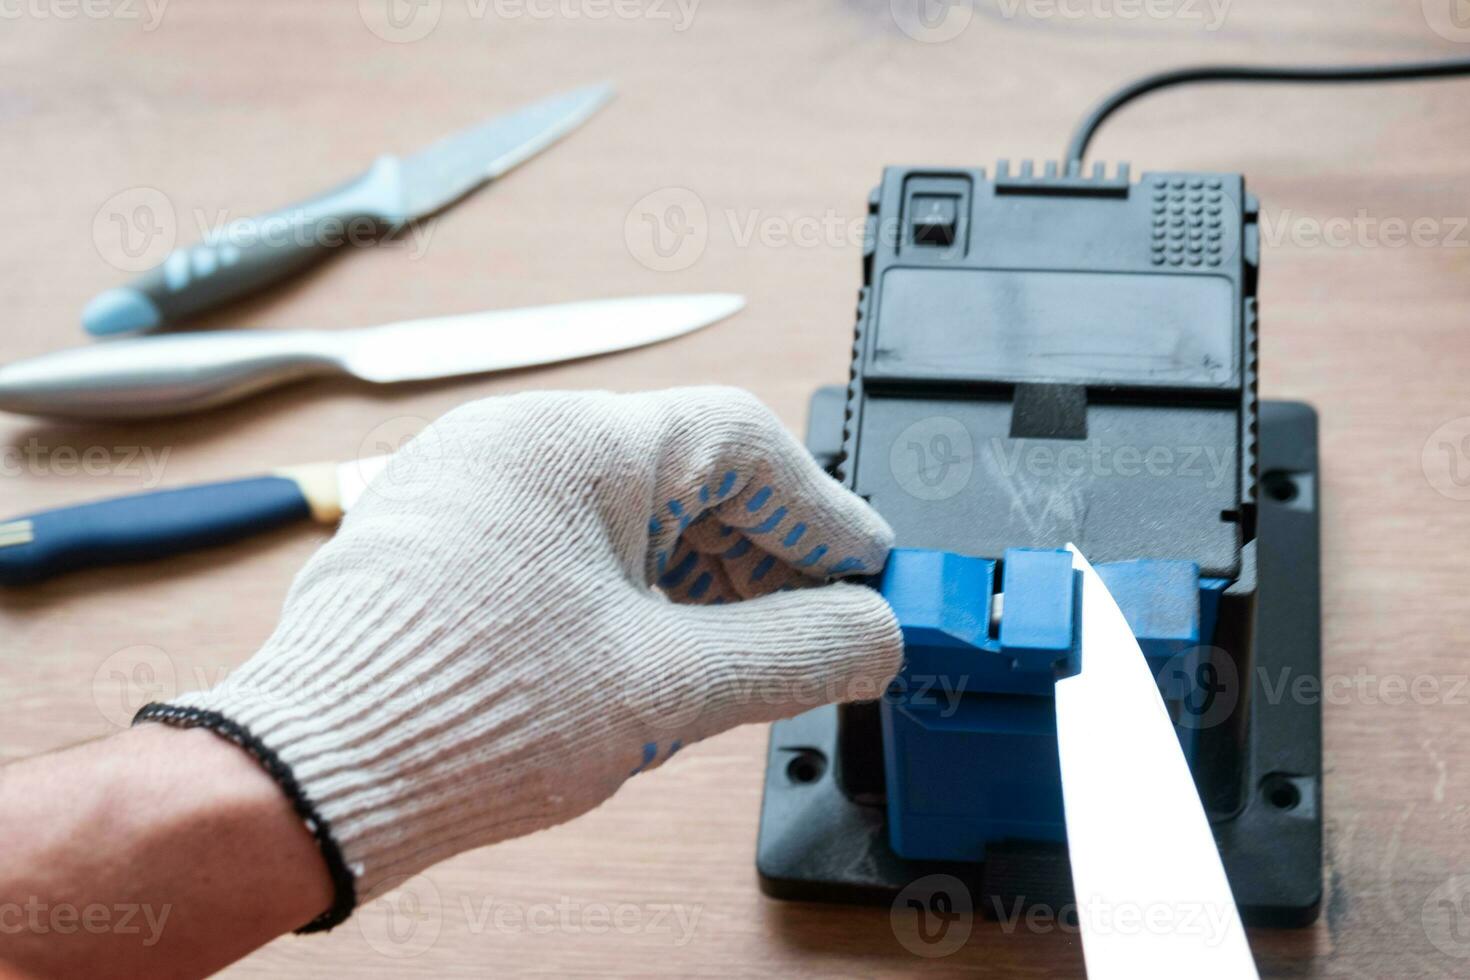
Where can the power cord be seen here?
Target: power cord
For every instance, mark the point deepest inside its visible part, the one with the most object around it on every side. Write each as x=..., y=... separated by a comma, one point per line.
x=1404, y=71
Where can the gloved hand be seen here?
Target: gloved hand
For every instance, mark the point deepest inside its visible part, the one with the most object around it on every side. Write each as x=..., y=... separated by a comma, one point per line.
x=542, y=596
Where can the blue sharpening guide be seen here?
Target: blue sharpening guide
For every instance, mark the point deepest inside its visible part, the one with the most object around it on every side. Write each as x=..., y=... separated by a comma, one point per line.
x=981, y=698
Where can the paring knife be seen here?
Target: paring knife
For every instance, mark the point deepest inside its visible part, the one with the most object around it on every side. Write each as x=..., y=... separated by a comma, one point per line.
x=249, y=254
x=1152, y=896
x=169, y=522
x=155, y=376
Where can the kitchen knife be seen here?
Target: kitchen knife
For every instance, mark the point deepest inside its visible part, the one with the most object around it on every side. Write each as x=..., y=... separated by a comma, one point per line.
x=1152, y=896
x=168, y=522
x=249, y=254
x=169, y=375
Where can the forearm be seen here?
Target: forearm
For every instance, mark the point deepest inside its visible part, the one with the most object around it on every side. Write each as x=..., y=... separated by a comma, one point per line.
x=156, y=851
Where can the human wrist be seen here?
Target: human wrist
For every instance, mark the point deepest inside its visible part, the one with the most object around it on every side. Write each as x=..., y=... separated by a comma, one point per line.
x=196, y=857
x=222, y=777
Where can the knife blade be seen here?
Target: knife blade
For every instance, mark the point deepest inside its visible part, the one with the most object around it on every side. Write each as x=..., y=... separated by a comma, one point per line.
x=147, y=377
x=251, y=253
x=1152, y=896
x=445, y=171
x=159, y=523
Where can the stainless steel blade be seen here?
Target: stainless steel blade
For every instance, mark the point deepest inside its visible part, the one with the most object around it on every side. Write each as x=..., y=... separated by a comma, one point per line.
x=505, y=339
x=442, y=173
x=1152, y=896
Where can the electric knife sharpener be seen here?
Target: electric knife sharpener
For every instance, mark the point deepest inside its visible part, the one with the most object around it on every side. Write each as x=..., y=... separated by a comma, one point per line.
x=1043, y=359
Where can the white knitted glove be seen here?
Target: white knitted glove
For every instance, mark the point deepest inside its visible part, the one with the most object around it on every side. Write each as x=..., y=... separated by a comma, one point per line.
x=481, y=651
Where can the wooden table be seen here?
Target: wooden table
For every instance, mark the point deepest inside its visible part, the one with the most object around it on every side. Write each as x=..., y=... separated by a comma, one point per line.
x=769, y=121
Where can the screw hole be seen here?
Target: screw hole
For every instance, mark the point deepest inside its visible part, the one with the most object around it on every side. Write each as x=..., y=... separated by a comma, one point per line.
x=806, y=767
x=1279, y=486
x=1281, y=793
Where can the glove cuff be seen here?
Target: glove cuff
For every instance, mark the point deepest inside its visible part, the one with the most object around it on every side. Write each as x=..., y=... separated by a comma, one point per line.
x=391, y=770
x=344, y=886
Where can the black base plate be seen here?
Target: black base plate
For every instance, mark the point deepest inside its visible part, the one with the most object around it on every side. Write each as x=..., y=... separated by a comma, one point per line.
x=817, y=844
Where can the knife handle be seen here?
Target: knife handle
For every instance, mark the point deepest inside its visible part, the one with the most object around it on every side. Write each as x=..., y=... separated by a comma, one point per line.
x=249, y=254
x=151, y=377
x=146, y=525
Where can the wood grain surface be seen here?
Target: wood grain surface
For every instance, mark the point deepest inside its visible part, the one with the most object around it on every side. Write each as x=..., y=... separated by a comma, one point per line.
x=758, y=128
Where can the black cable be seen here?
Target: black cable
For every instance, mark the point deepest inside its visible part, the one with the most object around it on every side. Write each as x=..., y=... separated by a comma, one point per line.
x=1083, y=134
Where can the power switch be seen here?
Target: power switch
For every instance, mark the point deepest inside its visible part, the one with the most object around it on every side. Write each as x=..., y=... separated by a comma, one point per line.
x=936, y=219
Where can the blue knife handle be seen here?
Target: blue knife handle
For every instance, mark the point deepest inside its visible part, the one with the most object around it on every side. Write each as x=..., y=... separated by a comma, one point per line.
x=147, y=525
